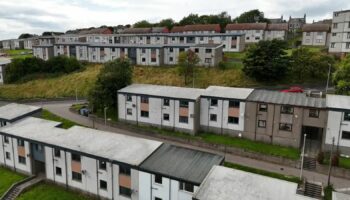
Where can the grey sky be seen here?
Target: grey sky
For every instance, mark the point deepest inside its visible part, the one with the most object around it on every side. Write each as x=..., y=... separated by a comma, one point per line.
x=37, y=16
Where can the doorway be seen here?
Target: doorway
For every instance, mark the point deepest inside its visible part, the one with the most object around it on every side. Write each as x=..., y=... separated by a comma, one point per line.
x=38, y=158
x=313, y=141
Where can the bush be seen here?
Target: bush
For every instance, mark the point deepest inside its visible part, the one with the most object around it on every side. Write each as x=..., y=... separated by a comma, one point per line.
x=24, y=69
x=335, y=160
x=222, y=65
x=320, y=157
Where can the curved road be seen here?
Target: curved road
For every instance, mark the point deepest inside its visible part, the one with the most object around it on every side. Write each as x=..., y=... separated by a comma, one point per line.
x=61, y=108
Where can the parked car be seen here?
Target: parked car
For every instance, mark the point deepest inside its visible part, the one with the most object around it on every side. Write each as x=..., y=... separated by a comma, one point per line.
x=294, y=89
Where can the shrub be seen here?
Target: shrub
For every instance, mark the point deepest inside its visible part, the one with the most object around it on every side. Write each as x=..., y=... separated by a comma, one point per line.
x=320, y=157
x=222, y=65
x=335, y=160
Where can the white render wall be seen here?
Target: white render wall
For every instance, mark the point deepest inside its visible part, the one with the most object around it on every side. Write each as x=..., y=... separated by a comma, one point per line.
x=156, y=111
x=275, y=34
x=335, y=126
x=1, y=75
x=340, y=39
x=168, y=190
x=251, y=36
x=221, y=111
x=27, y=168
x=315, y=38
x=144, y=56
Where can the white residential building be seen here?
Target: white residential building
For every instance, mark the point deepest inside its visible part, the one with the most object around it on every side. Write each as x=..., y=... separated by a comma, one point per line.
x=340, y=37
x=276, y=31
x=316, y=34
x=254, y=32
x=170, y=107
x=3, y=63
x=338, y=124
x=223, y=110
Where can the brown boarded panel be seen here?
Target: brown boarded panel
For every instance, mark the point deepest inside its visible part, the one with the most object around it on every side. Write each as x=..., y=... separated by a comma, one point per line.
x=21, y=151
x=144, y=106
x=124, y=181
x=183, y=112
x=233, y=112
x=234, y=42
x=76, y=166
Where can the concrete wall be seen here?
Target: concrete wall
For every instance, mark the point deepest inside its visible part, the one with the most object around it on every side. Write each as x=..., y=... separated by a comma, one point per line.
x=335, y=126
x=251, y=36
x=340, y=30
x=315, y=39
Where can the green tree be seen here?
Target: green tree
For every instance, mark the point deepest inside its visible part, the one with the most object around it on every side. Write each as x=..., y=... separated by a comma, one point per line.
x=142, y=24
x=306, y=64
x=341, y=77
x=25, y=35
x=62, y=64
x=19, y=68
x=187, y=62
x=190, y=19
x=169, y=23
x=251, y=16
x=115, y=75
x=266, y=61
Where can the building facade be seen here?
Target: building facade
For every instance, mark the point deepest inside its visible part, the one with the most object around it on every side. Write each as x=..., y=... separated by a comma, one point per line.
x=277, y=31
x=316, y=35
x=254, y=32
x=340, y=36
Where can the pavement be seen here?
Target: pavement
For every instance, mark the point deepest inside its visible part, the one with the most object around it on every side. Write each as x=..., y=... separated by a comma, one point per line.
x=61, y=108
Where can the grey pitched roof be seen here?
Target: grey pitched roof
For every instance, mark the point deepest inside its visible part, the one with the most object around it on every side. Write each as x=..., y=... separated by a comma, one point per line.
x=181, y=163
x=13, y=111
x=296, y=99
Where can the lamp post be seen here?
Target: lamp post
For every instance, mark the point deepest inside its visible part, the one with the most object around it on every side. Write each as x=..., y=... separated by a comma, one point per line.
x=330, y=164
x=329, y=74
x=105, y=114
x=302, y=158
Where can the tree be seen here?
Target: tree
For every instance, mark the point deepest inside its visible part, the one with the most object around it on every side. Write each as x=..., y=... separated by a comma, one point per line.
x=142, y=24
x=187, y=62
x=25, y=35
x=306, y=64
x=251, y=16
x=115, y=75
x=19, y=68
x=62, y=64
x=169, y=23
x=341, y=77
x=267, y=60
x=190, y=19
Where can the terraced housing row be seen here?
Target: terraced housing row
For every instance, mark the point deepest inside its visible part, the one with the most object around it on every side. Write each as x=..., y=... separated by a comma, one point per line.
x=268, y=116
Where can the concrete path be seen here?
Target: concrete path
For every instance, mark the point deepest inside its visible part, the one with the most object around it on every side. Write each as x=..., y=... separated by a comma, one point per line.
x=62, y=109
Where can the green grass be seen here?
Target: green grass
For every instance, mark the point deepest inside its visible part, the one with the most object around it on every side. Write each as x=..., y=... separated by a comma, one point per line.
x=311, y=49
x=50, y=116
x=328, y=192
x=46, y=191
x=22, y=53
x=253, y=146
x=8, y=178
x=344, y=162
x=262, y=172
x=234, y=55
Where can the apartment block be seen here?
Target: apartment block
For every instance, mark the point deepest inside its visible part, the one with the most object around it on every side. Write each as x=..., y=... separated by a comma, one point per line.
x=3, y=63
x=168, y=107
x=283, y=118
x=43, y=47
x=254, y=32
x=210, y=54
x=316, y=35
x=223, y=110
x=338, y=124
x=276, y=31
x=340, y=38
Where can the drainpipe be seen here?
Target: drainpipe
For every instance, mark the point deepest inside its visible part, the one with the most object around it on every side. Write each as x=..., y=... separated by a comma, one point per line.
x=273, y=121
x=65, y=163
x=53, y=165
x=13, y=155
x=222, y=116
x=3, y=148
x=112, y=172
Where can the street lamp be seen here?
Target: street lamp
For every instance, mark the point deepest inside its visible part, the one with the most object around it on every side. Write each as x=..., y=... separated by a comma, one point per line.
x=330, y=164
x=302, y=158
x=105, y=113
x=329, y=74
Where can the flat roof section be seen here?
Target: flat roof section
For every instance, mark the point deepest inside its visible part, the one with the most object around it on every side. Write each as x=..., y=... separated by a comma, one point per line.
x=13, y=111
x=163, y=91
x=4, y=61
x=224, y=183
x=284, y=98
x=181, y=163
x=110, y=146
x=338, y=101
x=227, y=92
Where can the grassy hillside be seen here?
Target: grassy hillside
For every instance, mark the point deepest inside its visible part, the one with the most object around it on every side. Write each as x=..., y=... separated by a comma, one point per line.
x=22, y=53
x=63, y=86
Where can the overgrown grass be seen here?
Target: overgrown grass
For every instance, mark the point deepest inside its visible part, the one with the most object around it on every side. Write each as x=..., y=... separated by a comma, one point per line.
x=344, y=162
x=50, y=116
x=262, y=172
x=328, y=192
x=7, y=178
x=63, y=86
x=22, y=53
x=235, y=55
x=46, y=191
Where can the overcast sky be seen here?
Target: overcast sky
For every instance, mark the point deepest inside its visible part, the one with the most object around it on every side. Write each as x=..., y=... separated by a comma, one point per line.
x=37, y=16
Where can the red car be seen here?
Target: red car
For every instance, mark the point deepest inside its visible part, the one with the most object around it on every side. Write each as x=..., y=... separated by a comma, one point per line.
x=294, y=90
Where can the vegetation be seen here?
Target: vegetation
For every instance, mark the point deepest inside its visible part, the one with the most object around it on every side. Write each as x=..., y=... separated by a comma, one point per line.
x=251, y=16
x=22, y=53
x=341, y=77
x=25, y=35
x=142, y=24
x=8, y=178
x=328, y=192
x=187, y=62
x=115, y=75
x=69, y=85
x=45, y=114
x=18, y=69
x=267, y=60
x=307, y=64
x=47, y=191
x=262, y=172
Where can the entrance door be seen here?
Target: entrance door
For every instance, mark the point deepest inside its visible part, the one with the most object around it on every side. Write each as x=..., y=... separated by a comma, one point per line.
x=38, y=157
x=132, y=55
x=313, y=142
